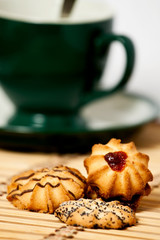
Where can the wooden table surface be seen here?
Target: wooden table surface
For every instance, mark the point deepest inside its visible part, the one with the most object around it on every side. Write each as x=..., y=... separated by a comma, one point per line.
x=21, y=224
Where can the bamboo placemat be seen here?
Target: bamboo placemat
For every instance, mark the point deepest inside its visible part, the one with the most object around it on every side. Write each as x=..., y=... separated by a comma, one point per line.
x=24, y=225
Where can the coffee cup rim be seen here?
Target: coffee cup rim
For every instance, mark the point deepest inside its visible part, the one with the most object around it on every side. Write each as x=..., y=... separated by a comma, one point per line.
x=65, y=21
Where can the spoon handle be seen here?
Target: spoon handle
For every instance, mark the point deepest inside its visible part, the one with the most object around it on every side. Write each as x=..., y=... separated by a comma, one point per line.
x=67, y=7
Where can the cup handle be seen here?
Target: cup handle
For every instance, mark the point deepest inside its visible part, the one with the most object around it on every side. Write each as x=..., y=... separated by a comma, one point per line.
x=101, y=44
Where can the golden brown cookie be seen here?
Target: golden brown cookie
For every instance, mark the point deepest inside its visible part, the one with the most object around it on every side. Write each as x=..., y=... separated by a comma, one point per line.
x=117, y=171
x=97, y=213
x=44, y=190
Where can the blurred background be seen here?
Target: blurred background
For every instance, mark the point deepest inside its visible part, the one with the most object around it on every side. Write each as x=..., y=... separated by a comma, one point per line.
x=140, y=21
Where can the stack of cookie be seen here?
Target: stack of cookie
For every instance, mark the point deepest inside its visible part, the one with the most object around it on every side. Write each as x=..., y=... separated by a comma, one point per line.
x=118, y=177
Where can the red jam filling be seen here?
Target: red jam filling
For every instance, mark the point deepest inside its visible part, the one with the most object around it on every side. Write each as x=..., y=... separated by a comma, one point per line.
x=116, y=160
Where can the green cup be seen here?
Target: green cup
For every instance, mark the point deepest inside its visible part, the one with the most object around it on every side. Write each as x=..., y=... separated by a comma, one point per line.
x=51, y=65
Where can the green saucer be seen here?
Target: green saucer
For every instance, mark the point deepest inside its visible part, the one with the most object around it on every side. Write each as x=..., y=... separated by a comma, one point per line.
x=116, y=116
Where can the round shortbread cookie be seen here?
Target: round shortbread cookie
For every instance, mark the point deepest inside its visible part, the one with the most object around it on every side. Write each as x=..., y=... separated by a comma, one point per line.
x=44, y=190
x=117, y=171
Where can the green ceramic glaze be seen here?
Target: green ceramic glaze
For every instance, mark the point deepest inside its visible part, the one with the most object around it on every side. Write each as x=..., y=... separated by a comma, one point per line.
x=52, y=70
x=80, y=133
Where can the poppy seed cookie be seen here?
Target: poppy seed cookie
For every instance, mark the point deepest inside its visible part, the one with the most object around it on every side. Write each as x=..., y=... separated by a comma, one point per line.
x=97, y=213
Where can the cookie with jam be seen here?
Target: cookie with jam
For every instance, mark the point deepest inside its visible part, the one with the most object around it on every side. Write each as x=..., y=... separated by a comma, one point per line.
x=118, y=171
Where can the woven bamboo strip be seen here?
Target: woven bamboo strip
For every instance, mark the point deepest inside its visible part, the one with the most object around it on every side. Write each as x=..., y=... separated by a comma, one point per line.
x=12, y=235
x=142, y=232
